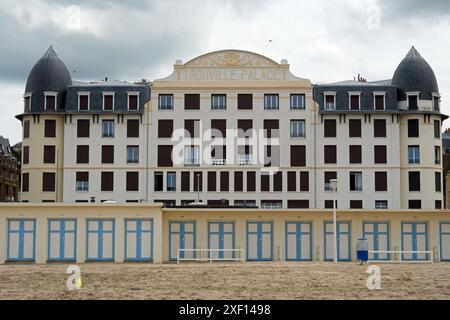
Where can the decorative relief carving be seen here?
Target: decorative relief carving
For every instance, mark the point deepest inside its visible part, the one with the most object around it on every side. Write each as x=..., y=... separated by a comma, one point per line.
x=232, y=59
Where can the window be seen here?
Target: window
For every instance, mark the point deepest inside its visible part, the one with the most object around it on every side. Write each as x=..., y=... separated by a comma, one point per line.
x=132, y=128
x=356, y=181
x=381, y=182
x=292, y=181
x=414, y=181
x=271, y=128
x=245, y=203
x=413, y=154
x=245, y=101
x=198, y=181
x=212, y=182
x=107, y=181
x=26, y=103
x=437, y=182
x=165, y=128
x=413, y=102
x=415, y=204
x=159, y=178
x=298, y=204
x=271, y=204
x=82, y=154
x=381, y=204
x=48, y=182
x=438, y=204
x=271, y=102
x=191, y=128
x=330, y=103
x=132, y=154
x=251, y=181
x=26, y=129
x=83, y=101
x=354, y=126
x=50, y=128
x=132, y=181
x=108, y=129
x=224, y=181
x=298, y=156
x=328, y=177
x=108, y=101
x=354, y=102
x=185, y=181
x=171, y=181
x=245, y=128
x=191, y=102
x=278, y=182
x=330, y=154
x=133, y=101
x=437, y=129
x=355, y=154
x=298, y=129
x=192, y=155
x=26, y=155
x=218, y=155
x=218, y=128
x=304, y=181
x=165, y=102
x=379, y=128
x=25, y=182
x=380, y=154
x=165, y=156
x=437, y=155
x=329, y=126
x=83, y=128
x=107, y=154
x=49, y=154
x=218, y=102
x=436, y=103
x=50, y=101
x=82, y=181
x=356, y=204
x=329, y=204
x=297, y=101
x=379, y=102
x=413, y=128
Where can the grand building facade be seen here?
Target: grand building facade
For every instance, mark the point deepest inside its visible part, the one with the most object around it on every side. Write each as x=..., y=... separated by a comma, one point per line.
x=9, y=172
x=234, y=128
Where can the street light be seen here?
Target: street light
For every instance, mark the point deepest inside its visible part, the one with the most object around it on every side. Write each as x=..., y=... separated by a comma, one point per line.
x=333, y=184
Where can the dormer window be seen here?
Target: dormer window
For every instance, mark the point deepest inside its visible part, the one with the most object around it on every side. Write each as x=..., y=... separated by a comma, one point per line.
x=83, y=100
x=379, y=100
x=133, y=100
x=50, y=100
x=108, y=100
x=355, y=100
x=330, y=101
x=436, y=103
x=27, y=102
x=413, y=100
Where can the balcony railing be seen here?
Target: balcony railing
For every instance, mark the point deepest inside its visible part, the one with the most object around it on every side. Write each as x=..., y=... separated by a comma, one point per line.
x=330, y=106
x=245, y=160
x=218, y=162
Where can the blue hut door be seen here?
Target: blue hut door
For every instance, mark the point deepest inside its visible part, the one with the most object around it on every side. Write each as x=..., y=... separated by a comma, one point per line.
x=61, y=239
x=298, y=241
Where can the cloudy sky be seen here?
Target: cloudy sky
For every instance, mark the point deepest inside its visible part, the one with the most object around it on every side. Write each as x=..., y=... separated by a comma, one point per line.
x=323, y=40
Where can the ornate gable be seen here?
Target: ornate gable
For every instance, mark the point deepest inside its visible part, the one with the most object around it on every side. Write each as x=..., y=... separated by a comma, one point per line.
x=232, y=59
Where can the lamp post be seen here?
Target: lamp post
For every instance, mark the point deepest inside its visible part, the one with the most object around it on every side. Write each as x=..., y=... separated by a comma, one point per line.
x=333, y=184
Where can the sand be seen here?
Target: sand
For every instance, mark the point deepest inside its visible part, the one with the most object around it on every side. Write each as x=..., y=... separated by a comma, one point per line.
x=225, y=281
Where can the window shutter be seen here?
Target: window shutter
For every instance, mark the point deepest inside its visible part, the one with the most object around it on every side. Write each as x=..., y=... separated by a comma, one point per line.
x=133, y=128
x=380, y=154
x=414, y=181
x=185, y=181
x=50, y=103
x=191, y=101
x=379, y=128
x=379, y=102
x=198, y=181
x=132, y=181
x=292, y=181
x=26, y=155
x=298, y=156
x=165, y=156
x=26, y=129
x=413, y=128
x=245, y=101
x=108, y=102
x=224, y=181
x=265, y=183
x=212, y=182
x=219, y=128
x=107, y=154
x=82, y=176
x=82, y=154
x=330, y=176
x=271, y=128
x=84, y=102
x=25, y=182
x=251, y=181
x=354, y=128
x=133, y=102
x=354, y=102
x=83, y=129
x=415, y=204
x=165, y=128
x=329, y=128
x=192, y=128
x=298, y=204
x=304, y=181
x=48, y=182
x=381, y=181
x=355, y=204
x=437, y=181
x=238, y=181
x=278, y=182
x=330, y=154
x=50, y=128
x=107, y=181
x=49, y=154
x=355, y=154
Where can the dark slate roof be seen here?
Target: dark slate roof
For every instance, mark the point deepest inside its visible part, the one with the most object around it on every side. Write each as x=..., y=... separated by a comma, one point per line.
x=415, y=74
x=48, y=74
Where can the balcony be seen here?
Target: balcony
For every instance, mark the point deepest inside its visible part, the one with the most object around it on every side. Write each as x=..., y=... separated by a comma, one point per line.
x=245, y=160
x=218, y=162
x=330, y=106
